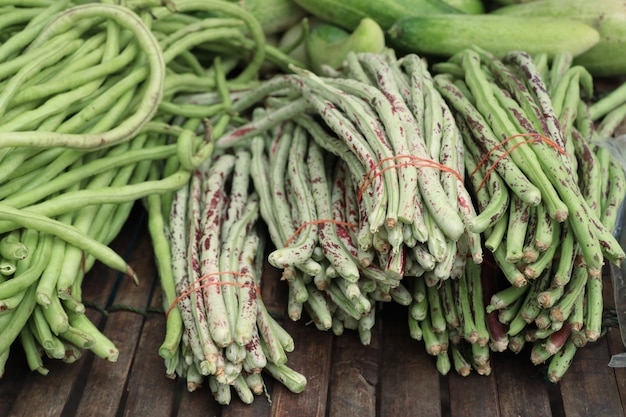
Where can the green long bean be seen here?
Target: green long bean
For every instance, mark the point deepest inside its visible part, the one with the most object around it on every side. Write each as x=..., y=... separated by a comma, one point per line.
x=152, y=92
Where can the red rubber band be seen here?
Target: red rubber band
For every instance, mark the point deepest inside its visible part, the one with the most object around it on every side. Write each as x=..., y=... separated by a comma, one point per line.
x=188, y=290
x=320, y=221
x=422, y=162
x=535, y=137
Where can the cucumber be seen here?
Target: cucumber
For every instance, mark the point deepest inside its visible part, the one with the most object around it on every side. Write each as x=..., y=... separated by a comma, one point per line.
x=328, y=45
x=588, y=11
x=608, y=57
x=349, y=13
x=467, y=6
x=511, y=2
x=275, y=16
x=292, y=41
x=445, y=35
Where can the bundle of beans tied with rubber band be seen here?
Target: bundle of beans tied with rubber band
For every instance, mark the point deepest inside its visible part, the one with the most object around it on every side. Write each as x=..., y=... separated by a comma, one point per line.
x=208, y=245
x=534, y=163
x=361, y=186
x=214, y=249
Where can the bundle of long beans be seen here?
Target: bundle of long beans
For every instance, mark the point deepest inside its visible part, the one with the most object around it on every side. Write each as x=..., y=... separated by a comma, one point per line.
x=390, y=203
x=206, y=237
x=519, y=112
x=217, y=251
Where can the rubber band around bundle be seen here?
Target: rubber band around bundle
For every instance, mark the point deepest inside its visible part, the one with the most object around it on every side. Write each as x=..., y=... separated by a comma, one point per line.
x=189, y=290
x=422, y=162
x=535, y=137
x=319, y=221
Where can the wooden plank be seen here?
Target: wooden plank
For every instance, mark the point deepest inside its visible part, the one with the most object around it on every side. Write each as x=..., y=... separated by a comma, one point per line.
x=589, y=387
x=260, y=407
x=616, y=346
x=123, y=327
x=408, y=377
x=471, y=395
x=61, y=384
x=197, y=403
x=522, y=387
x=273, y=291
x=106, y=382
x=13, y=378
x=47, y=395
x=150, y=392
x=613, y=335
x=311, y=357
x=354, y=375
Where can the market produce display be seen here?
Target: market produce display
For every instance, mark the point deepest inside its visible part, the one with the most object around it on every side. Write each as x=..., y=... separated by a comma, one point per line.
x=447, y=159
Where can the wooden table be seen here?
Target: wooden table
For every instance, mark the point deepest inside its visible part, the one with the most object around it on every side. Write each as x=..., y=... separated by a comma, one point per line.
x=392, y=377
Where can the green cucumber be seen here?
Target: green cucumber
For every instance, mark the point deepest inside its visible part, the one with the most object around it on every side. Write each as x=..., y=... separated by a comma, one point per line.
x=292, y=41
x=511, y=2
x=329, y=45
x=349, y=13
x=588, y=11
x=608, y=17
x=275, y=16
x=608, y=57
x=467, y=6
x=445, y=35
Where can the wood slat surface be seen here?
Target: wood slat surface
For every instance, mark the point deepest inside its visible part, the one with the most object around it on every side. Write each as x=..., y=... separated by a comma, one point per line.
x=391, y=377
x=409, y=381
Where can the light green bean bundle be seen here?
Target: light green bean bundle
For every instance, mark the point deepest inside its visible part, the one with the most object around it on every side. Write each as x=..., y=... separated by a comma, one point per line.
x=212, y=250
x=90, y=77
x=361, y=185
x=205, y=234
x=527, y=127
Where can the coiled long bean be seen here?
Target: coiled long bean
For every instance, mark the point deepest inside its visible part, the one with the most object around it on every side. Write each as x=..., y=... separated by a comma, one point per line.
x=152, y=93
